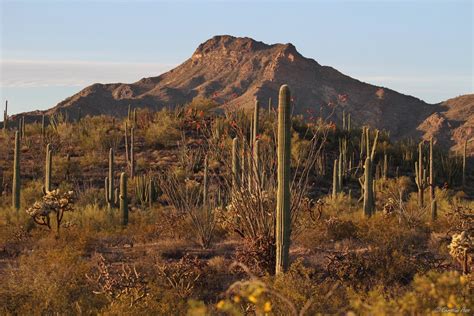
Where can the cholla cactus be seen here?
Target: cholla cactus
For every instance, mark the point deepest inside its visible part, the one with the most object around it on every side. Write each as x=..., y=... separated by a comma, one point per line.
x=52, y=203
x=461, y=248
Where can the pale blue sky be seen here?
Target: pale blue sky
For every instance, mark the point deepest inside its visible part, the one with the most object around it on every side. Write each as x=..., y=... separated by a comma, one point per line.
x=52, y=49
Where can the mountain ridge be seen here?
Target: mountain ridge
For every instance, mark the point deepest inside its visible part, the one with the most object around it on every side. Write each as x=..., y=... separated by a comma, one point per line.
x=235, y=71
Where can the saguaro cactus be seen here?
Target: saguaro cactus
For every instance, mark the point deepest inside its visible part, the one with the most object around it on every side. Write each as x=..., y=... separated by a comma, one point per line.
x=16, y=174
x=109, y=181
x=132, y=152
x=48, y=169
x=123, y=198
x=283, y=216
x=5, y=116
x=433, y=204
x=420, y=175
x=43, y=127
x=464, y=159
x=335, y=179
x=368, y=188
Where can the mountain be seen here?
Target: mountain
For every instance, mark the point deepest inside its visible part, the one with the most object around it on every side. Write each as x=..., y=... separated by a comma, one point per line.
x=236, y=71
x=453, y=123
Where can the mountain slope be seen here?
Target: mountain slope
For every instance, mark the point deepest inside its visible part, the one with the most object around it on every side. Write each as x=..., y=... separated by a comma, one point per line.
x=235, y=71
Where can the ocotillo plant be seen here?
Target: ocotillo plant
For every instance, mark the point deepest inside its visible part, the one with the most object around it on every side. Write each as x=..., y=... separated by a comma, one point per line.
x=255, y=122
x=205, y=183
x=16, y=174
x=48, y=170
x=283, y=216
x=123, y=198
x=368, y=188
x=257, y=161
x=236, y=170
x=109, y=181
x=420, y=175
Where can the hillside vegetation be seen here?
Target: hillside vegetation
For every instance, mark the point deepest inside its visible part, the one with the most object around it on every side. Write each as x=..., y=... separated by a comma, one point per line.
x=196, y=211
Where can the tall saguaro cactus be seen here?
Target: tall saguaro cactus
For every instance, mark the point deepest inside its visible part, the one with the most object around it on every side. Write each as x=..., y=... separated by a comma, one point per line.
x=283, y=216
x=464, y=160
x=123, y=198
x=16, y=174
x=43, y=127
x=109, y=181
x=132, y=152
x=434, y=211
x=5, y=116
x=420, y=175
x=48, y=169
x=335, y=179
x=368, y=188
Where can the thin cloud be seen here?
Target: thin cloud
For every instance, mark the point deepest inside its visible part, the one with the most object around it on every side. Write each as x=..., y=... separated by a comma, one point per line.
x=23, y=73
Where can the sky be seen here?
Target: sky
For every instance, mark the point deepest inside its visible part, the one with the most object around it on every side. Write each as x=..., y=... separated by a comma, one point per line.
x=50, y=50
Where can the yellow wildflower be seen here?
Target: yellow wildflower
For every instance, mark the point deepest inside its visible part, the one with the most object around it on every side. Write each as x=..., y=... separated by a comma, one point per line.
x=237, y=299
x=267, y=307
x=220, y=305
x=252, y=299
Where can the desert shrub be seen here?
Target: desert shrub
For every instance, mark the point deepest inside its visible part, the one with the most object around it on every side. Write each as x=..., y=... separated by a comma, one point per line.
x=433, y=292
x=164, y=131
x=258, y=253
x=47, y=281
x=202, y=104
x=31, y=191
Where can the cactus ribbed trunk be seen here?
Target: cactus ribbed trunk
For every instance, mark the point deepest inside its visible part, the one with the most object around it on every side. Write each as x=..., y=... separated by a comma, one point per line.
x=123, y=198
x=368, y=188
x=464, y=154
x=127, y=157
x=5, y=116
x=16, y=174
x=283, y=216
x=110, y=184
x=433, y=204
x=48, y=169
x=132, y=152
x=335, y=180
x=419, y=175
